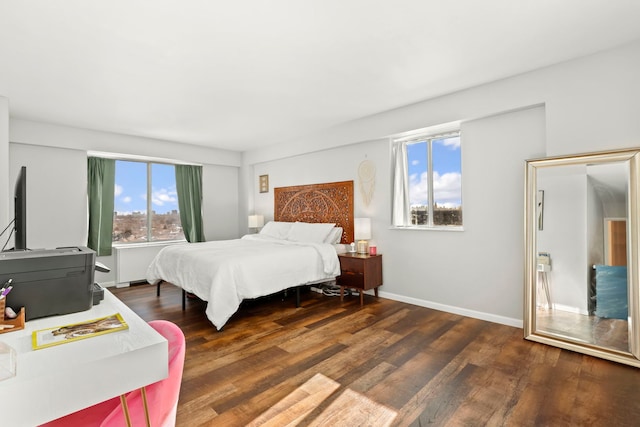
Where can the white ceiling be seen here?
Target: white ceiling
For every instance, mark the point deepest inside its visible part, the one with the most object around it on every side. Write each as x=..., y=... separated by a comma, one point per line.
x=244, y=74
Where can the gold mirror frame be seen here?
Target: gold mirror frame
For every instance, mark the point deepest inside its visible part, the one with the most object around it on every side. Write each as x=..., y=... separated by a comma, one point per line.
x=532, y=218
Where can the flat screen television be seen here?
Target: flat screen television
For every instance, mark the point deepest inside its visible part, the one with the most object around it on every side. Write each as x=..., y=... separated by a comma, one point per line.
x=20, y=211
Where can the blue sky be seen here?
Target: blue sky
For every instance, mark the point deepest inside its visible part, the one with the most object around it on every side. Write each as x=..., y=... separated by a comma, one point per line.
x=447, y=186
x=131, y=187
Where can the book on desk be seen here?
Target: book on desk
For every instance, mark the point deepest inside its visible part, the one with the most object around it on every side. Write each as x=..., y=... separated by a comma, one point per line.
x=67, y=333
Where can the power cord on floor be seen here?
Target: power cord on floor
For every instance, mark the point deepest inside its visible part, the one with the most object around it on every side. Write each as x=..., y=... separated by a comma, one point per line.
x=332, y=290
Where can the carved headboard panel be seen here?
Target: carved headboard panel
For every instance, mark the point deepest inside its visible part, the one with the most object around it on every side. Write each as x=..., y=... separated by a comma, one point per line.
x=330, y=202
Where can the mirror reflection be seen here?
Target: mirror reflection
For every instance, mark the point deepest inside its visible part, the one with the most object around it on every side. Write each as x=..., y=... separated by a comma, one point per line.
x=581, y=286
x=581, y=272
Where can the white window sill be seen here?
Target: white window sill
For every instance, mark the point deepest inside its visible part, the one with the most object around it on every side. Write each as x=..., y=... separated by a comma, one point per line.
x=147, y=244
x=425, y=228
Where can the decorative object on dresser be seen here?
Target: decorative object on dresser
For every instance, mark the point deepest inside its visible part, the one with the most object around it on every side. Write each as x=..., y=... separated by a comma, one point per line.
x=362, y=234
x=360, y=271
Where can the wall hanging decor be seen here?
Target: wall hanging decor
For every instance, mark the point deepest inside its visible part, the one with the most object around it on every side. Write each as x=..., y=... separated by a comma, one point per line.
x=366, y=180
x=264, y=183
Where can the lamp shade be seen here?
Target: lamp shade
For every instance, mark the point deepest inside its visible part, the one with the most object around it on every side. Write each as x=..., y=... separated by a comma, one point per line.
x=256, y=221
x=362, y=228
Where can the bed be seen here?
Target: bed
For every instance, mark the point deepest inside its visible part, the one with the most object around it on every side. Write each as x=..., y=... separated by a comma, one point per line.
x=298, y=248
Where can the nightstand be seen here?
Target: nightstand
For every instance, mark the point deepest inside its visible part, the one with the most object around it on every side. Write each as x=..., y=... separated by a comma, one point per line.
x=360, y=271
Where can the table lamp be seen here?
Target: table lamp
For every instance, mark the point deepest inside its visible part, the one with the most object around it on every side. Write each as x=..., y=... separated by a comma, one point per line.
x=362, y=233
x=256, y=221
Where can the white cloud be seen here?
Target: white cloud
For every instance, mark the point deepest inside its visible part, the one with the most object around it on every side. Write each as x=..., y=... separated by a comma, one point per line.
x=163, y=196
x=415, y=162
x=446, y=189
x=452, y=143
x=418, y=189
x=117, y=191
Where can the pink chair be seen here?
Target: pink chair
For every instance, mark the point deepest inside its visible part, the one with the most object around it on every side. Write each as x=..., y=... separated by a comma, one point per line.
x=162, y=397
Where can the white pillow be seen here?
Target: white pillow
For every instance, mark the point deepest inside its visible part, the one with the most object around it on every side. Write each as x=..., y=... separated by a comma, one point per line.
x=341, y=248
x=277, y=229
x=334, y=236
x=309, y=233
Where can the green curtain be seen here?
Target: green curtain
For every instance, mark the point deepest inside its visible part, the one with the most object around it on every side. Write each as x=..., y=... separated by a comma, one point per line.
x=189, y=187
x=101, y=183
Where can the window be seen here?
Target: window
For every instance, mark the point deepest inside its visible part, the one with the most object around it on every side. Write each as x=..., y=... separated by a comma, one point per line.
x=145, y=203
x=428, y=181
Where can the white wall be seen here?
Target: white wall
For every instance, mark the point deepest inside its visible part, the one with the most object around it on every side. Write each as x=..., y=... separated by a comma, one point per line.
x=220, y=212
x=564, y=235
x=595, y=225
x=330, y=166
x=56, y=194
x=589, y=104
x=46, y=134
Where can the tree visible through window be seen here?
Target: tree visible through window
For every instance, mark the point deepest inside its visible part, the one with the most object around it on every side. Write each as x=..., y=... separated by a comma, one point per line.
x=145, y=203
x=435, y=181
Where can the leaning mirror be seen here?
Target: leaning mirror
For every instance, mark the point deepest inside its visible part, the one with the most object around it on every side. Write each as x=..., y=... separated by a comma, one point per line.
x=581, y=287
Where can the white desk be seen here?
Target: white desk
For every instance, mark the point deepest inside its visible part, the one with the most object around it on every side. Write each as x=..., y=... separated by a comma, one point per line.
x=59, y=380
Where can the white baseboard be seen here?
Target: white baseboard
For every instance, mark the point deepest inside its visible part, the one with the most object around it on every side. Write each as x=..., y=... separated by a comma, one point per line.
x=517, y=323
x=114, y=285
x=570, y=309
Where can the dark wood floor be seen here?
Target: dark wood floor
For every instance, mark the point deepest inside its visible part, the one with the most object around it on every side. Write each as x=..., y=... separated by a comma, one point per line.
x=433, y=368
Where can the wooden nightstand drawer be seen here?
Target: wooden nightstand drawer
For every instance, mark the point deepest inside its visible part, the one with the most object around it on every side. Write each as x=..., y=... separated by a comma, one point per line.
x=360, y=271
x=353, y=265
x=351, y=279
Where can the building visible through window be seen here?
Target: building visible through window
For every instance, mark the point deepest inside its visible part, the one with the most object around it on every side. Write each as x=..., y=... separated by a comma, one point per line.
x=145, y=203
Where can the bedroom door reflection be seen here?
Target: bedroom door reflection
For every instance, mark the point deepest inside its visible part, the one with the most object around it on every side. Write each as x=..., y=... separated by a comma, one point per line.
x=615, y=241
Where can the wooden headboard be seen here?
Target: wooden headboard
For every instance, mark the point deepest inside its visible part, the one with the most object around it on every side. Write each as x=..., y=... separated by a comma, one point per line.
x=330, y=202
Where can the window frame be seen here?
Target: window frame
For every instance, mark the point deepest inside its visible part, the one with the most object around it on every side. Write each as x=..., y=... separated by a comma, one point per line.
x=149, y=205
x=429, y=138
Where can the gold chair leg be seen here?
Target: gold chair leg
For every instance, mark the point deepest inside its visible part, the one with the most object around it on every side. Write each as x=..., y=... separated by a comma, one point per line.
x=125, y=409
x=146, y=408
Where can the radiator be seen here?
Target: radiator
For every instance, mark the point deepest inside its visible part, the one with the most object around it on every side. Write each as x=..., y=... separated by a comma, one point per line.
x=132, y=261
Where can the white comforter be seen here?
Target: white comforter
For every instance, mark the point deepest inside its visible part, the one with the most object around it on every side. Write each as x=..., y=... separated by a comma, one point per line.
x=227, y=271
